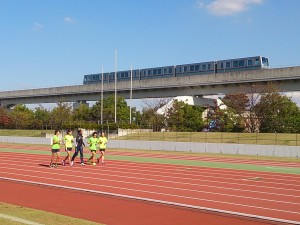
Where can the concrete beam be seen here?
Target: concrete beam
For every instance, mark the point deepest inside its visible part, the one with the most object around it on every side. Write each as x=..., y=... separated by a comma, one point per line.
x=210, y=84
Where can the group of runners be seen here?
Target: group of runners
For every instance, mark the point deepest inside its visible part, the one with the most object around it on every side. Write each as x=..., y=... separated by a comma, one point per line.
x=94, y=142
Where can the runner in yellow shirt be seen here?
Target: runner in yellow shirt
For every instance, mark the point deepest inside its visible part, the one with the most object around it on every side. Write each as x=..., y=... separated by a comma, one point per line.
x=55, y=149
x=69, y=139
x=102, y=141
x=93, y=141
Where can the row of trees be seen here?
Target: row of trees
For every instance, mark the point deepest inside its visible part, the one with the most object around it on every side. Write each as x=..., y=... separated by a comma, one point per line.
x=255, y=109
x=258, y=109
x=63, y=116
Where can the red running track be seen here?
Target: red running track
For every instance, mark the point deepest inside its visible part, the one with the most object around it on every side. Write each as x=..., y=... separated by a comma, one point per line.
x=276, y=196
x=108, y=210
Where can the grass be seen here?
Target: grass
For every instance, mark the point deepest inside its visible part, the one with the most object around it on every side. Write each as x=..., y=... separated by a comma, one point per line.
x=37, y=216
x=217, y=137
x=23, y=133
x=205, y=137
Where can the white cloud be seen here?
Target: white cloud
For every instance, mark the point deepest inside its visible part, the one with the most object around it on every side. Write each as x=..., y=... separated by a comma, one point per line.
x=69, y=20
x=228, y=7
x=37, y=27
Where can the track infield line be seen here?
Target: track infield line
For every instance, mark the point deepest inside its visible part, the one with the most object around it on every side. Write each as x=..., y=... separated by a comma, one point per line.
x=19, y=220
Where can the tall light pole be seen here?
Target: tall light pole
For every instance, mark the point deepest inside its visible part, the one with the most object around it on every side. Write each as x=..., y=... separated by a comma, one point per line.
x=102, y=96
x=130, y=92
x=116, y=54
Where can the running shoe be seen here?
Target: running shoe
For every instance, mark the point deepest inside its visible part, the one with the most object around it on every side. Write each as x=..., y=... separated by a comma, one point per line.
x=94, y=164
x=98, y=161
x=51, y=165
x=56, y=165
x=82, y=164
x=71, y=163
x=63, y=163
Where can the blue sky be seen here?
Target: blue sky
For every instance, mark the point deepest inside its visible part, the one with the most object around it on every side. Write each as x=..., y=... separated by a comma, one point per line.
x=55, y=42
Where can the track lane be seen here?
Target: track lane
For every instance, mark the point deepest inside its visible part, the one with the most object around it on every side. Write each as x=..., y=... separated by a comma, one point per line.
x=208, y=204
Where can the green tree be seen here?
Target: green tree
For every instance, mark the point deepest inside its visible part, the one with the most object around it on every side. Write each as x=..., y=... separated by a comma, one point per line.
x=277, y=113
x=41, y=118
x=184, y=117
x=109, y=110
x=61, y=115
x=82, y=113
x=150, y=119
x=22, y=117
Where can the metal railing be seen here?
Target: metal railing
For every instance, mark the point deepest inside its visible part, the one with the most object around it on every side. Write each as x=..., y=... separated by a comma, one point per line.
x=204, y=137
x=214, y=137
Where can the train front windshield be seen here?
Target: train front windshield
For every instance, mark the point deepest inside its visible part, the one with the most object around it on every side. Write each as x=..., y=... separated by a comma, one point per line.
x=265, y=62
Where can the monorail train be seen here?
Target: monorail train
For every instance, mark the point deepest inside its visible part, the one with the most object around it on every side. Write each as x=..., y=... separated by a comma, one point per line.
x=212, y=67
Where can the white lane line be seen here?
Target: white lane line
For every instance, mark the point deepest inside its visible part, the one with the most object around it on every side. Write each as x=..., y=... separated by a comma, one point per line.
x=196, y=158
x=156, y=186
x=196, y=172
x=164, y=181
x=154, y=193
x=160, y=201
x=19, y=220
x=223, y=177
x=188, y=179
x=211, y=172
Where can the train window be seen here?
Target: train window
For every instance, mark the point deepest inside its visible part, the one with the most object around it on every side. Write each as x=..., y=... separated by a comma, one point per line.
x=235, y=63
x=265, y=61
x=227, y=64
x=154, y=72
x=185, y=69
x=170, y=70
x=159, y=71
x=241, y=63
x=149, y=72
x=256, y=62
x=192, y=68
x=250, y=63
x=209, y=66
x=179, y=69
x=197, y=68
x=222, y=65
x=204, y=67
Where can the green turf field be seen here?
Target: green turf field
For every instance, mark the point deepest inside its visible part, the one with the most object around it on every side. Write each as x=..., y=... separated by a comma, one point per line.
x=20, y=214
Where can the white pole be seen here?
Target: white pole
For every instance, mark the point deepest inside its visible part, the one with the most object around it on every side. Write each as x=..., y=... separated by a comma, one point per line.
x=102, y=97
x=130, y=91
x=116, y=85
